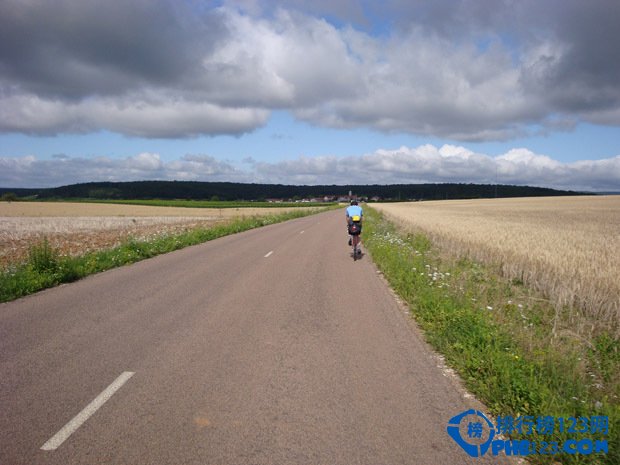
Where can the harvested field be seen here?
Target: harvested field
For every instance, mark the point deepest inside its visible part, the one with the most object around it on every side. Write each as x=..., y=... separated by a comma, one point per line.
x=565, y=247
x=77, y=228
x=73, y=209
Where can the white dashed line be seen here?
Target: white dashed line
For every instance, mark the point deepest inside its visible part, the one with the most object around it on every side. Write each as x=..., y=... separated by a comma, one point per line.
x=269, y=253
x=71, y=427
x=302, y=232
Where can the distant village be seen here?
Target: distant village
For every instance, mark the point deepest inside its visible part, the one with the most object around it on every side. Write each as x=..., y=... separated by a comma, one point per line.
x=326, y=199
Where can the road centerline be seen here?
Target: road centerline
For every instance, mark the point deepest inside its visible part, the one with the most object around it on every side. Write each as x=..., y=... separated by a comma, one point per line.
x=77, y=421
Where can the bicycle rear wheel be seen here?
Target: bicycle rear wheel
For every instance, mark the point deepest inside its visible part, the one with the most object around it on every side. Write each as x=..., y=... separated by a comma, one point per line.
x=355, y=240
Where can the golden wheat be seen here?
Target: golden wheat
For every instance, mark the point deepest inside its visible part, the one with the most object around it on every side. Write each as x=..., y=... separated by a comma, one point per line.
x=566, y=247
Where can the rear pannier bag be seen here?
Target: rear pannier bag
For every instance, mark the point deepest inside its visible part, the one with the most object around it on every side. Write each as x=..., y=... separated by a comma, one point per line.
x=355, y=228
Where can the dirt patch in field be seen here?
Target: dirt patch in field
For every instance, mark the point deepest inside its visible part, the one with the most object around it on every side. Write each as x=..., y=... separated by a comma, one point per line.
x=80, y=235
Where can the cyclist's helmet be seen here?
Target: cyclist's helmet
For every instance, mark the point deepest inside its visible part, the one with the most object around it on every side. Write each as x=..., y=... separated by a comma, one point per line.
x=353, y=202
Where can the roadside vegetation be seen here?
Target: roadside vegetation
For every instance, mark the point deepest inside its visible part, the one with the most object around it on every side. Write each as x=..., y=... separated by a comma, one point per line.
x=502, y=337
x=45, y=267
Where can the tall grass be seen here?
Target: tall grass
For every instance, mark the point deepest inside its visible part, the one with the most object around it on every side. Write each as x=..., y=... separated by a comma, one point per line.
x=497, y=335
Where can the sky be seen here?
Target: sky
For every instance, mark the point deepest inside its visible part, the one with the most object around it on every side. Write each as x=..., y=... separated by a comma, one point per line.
x=523, y=92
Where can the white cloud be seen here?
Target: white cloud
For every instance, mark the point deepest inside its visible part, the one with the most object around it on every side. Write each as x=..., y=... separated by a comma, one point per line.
x=430, y=164
x=288, y=61
x=30, y=171
x=405, y=165
x=145, y=161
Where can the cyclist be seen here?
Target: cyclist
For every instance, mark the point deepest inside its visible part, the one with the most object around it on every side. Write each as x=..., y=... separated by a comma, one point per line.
x=354, y=214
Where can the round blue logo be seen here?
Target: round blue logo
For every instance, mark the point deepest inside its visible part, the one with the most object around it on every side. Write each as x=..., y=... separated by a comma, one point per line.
x=473, y=431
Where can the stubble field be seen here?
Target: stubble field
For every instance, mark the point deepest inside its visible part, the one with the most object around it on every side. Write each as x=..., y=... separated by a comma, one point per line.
x=78, y=228
x=565, y=247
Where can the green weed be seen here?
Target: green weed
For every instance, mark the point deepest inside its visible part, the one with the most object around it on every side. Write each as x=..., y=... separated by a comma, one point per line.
x=43, y=258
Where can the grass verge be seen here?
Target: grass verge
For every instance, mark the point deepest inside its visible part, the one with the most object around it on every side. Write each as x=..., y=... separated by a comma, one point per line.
x=46, y=268
x=498, y=336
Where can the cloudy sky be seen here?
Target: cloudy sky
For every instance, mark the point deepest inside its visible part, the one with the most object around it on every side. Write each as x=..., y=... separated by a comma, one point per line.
x=311, y=91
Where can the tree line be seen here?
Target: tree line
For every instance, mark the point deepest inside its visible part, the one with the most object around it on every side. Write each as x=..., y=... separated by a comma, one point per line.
x=194, y=190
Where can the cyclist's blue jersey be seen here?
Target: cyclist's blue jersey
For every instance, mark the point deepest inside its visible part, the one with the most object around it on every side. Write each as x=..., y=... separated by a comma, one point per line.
x=353, y=210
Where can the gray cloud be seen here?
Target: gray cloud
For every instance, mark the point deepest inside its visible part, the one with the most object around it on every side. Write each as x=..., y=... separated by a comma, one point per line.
x=77, y=49
x=422, y=164
x=467, y=70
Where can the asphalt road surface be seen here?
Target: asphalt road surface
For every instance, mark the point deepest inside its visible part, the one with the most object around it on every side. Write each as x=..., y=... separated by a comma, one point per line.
x=270, y=346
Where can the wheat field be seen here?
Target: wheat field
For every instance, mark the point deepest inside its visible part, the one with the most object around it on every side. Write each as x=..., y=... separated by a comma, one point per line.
x=566, y=247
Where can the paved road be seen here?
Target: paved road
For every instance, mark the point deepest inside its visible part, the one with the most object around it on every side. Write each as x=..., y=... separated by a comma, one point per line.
x=267, y=347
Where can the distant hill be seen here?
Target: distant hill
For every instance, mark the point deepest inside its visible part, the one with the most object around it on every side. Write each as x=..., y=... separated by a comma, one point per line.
x=238, y=191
